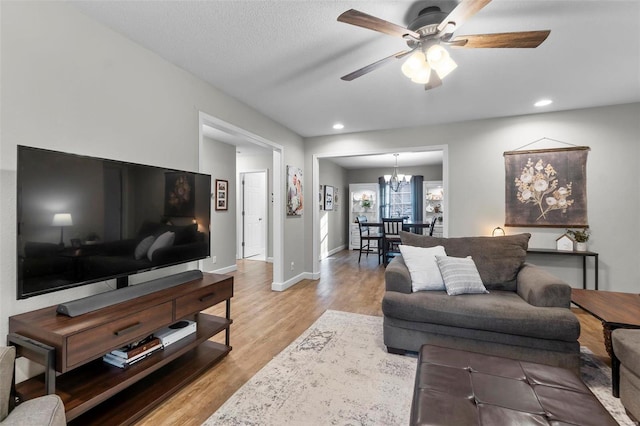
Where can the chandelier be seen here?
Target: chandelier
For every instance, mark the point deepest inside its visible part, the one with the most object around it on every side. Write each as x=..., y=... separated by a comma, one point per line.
x=394, y=180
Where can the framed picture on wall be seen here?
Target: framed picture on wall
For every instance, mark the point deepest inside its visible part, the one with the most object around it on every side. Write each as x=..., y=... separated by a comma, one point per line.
x=328, y=197
x=294, y=191
x=546, y=187
x=222, y=192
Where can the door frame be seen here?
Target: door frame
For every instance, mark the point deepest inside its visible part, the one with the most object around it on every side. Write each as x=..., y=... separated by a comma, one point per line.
x=240, y=226
x=315, y=178
x=278, y=167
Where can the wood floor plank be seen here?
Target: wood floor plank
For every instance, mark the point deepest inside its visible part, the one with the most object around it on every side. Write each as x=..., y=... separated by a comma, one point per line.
x=266, y=322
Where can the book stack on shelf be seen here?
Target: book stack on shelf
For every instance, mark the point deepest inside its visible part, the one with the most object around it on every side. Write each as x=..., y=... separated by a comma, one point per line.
x=137, y=351
x=133, y=352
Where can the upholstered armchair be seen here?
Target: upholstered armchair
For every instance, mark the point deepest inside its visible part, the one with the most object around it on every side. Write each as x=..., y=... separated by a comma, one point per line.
x=46, y=410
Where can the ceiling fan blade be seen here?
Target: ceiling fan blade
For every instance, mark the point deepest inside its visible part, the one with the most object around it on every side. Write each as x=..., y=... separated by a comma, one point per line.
x=434, y=81
x=374, y=66
x=524, y=39
x=361, y=19
x=462, y=12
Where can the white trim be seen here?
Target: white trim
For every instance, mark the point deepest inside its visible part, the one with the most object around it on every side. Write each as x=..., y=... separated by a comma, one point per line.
x=335, y=250
x=278, y=164
x=225, y=270
x=315, y=173
x=278, y=216
x=292, y=281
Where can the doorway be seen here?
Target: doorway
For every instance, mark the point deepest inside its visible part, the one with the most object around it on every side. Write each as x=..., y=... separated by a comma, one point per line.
x=316, y=240
x=254, y=215
x=234, y=135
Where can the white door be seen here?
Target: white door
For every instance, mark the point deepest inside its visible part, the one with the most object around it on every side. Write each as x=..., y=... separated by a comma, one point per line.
x=254, y=209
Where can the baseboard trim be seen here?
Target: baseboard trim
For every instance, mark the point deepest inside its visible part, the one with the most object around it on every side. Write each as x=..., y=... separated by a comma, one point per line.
x=335, y=250
x=292, y=281
x=225, y=270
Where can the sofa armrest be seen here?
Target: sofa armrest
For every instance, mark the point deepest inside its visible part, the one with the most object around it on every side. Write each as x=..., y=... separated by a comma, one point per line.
x=540, y=288
x=45, y=410
x=397, y=276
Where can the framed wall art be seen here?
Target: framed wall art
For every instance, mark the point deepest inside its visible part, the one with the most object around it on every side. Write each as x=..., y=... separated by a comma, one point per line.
x=546, y=188
x=222, y=194
x=328, y=197
x=294, y=191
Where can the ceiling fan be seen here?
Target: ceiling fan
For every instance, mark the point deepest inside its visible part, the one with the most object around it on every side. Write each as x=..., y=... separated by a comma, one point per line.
x=428, y=61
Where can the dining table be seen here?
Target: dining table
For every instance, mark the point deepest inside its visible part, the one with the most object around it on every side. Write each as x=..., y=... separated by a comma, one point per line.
x=406, y=226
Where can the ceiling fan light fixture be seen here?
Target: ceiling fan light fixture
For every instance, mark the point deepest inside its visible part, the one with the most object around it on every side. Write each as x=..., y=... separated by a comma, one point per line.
x=423, y=75
x=445, y=68
x=412, y=65
x=440, y=60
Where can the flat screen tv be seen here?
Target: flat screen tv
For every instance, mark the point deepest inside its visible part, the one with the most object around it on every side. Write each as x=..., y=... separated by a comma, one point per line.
x=82, y=219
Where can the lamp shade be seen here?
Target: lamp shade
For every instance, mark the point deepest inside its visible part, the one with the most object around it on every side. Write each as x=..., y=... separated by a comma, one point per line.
x=440, y=60
x=414, y=64
x=62, y=219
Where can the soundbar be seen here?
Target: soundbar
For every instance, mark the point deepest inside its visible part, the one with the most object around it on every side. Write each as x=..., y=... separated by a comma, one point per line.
x=108, y=298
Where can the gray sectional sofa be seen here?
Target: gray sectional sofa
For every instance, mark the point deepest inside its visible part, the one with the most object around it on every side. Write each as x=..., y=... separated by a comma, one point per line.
x=525, y=315
x=45, y=410
x=626, y=347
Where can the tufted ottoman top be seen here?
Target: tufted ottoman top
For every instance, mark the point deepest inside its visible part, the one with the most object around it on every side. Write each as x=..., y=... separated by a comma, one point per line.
x=455, y=387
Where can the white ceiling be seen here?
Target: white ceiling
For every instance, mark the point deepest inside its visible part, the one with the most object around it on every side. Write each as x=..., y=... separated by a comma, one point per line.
x=285, y=58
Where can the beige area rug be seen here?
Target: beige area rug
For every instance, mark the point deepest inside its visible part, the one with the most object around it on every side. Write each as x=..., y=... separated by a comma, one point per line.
x=339, y=373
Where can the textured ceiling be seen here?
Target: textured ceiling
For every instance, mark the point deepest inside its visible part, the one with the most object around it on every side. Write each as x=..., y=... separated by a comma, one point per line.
x=285, y=58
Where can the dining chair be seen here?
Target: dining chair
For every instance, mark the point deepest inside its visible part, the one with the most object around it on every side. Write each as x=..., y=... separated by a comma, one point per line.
x=433, y=225
x=391, y=227
x=366, y=239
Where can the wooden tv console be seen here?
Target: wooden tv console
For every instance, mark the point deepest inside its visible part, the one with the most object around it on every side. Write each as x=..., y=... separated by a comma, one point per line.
x=94, y=392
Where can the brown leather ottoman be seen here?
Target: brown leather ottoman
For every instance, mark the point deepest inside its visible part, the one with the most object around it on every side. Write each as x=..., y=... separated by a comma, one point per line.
x=455, y=387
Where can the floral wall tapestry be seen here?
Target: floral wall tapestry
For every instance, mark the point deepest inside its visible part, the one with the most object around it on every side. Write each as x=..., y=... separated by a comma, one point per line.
x=294, y=191
x=546, y=187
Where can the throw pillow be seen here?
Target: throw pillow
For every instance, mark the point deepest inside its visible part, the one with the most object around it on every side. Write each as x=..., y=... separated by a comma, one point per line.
x=143, y=247
x=498, y=259
x=460, y=275
x=164, y=240
x=421, y=262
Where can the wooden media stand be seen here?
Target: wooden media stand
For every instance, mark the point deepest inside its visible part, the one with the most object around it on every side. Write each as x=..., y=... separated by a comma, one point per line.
x=94, y=392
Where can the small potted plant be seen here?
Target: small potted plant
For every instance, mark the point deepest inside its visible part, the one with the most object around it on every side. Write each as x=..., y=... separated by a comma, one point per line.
x=581, y=237
x=365, y=202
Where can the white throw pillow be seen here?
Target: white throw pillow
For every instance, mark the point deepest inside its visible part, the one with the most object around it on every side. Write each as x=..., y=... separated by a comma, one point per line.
x=421, y=262
x=164, y=240
x=460, y=275
x=143, y=247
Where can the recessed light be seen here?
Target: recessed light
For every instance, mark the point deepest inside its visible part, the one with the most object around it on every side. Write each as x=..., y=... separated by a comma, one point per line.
x=338, y=126
x=543, y=102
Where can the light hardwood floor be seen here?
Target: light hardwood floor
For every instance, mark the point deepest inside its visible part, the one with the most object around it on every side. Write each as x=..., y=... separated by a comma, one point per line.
x=265, y=322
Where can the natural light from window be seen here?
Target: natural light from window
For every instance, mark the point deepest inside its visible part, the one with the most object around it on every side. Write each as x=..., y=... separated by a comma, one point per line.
x=399, y=204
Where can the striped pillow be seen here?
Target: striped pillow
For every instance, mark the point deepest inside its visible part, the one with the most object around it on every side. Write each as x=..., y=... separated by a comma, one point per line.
x=460, y=275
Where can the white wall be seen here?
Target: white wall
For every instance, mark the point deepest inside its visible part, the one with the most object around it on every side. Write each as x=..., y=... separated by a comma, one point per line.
x=372, y=175
x=476, y=179
x=333, y=223
x=71, y=84
x=218, y=160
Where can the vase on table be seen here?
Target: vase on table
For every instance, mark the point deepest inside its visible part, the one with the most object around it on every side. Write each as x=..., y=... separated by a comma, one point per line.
x=581, y=246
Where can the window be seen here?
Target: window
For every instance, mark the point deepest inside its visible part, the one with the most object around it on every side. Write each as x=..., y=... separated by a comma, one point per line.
x=400, y=203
